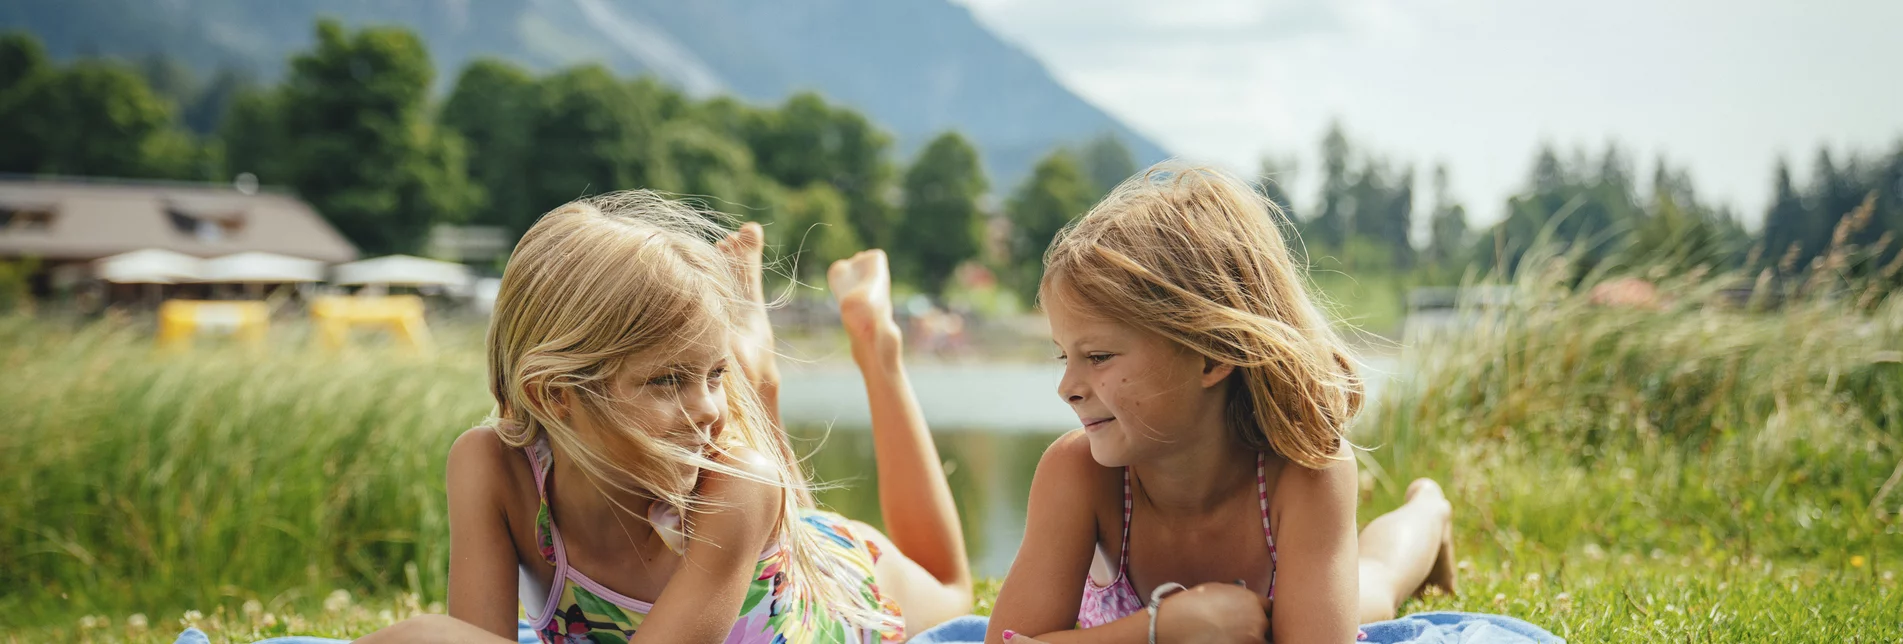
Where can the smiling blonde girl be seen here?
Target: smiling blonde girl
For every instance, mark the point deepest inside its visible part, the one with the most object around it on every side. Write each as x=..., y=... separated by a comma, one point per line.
x=1210, y=495
x=635, y=485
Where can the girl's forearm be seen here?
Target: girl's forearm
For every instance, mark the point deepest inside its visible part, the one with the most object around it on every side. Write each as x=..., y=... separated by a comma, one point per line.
x=1132, y=629
x=909, y=466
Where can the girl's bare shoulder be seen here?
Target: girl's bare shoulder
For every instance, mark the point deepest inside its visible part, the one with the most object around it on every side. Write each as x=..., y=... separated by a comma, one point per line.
x=481, y=463
x=1072, y=472
x=1301, y=490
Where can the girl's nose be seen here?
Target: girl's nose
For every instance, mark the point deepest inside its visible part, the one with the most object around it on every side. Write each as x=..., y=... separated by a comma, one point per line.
x=703, y=408
x=1072, y=388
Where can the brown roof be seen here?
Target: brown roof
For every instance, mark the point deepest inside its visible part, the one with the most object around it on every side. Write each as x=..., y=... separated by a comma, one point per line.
x=89, y=220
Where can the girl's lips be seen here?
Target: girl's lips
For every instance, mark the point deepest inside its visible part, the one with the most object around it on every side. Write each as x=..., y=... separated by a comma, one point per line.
x=1095, y=423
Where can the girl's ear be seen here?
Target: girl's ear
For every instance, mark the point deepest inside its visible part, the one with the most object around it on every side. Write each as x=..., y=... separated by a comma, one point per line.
x=554, y=405
x=1215, y=372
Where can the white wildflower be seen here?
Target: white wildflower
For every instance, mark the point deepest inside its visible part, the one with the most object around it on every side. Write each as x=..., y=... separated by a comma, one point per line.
x=337, y=601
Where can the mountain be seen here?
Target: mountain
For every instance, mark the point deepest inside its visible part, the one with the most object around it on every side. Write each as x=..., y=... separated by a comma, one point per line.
x=917, y=67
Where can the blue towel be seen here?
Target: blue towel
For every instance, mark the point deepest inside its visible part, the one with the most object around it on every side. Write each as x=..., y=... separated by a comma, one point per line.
x=1448, y=627
x=523, y=635
x=970, y=628
x=1419, y=628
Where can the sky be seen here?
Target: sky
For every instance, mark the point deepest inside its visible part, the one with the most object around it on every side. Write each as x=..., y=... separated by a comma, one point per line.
x=1719, y=87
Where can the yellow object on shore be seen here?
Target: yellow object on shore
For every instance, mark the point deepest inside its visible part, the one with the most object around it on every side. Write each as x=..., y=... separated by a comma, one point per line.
x=182, y=320
x=401, y=315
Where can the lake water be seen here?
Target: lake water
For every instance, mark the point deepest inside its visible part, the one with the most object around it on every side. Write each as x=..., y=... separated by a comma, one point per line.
x=991, y=423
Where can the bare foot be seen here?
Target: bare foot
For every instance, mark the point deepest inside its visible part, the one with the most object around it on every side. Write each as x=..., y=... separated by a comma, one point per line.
x=753, y=337
x=863, y=285
x=1442, y=574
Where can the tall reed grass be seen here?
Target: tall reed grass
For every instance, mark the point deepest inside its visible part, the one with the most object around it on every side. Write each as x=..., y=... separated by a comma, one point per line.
x=136, y=478
x=1696, y=423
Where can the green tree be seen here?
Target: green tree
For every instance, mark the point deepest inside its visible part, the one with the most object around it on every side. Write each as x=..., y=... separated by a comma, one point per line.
x=21, y=55
x=590, y=133
x=730, y=117
x=1587, y=209
x=1787, y=223
x=1835, y=191
x=93, y=118
x=364, y=150
x=22, y=59
x=490, y=108
x=252, y=133
x=809, y=227
x=1366, y=206
x=1107, y=161
x=169, y=78
x=1273, y=177
x=1888, y=184
x=807, y=140
x=1382, y=211
x=1447, y=238
x=1056, y=193
x=668, y=104
x=698, y=161
x=943, y=225
x=1678, y=234
x=1333, y=221
x=206, y=111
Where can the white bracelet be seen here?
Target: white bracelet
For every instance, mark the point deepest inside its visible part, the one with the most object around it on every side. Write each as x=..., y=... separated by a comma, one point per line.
x=1156, y=599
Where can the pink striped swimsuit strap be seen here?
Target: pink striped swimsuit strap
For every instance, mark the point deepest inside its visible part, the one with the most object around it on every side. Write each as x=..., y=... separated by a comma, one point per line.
x=1262, y=493
x=1123, y=557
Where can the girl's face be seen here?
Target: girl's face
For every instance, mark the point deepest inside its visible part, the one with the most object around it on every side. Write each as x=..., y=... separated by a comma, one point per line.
x=1136, y=393
x=676, y=395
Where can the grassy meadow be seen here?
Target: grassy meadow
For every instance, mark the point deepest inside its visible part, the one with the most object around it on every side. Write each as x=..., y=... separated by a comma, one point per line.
x=1690, y=472
x=1694, y=472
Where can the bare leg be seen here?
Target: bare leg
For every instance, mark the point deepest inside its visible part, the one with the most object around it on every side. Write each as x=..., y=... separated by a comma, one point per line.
x=753, y=336
x=932, y=582
x=1404, y=551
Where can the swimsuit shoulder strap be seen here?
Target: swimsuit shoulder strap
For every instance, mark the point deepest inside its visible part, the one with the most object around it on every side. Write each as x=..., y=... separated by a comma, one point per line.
x=539, y=460
x=1262, y=493
x=1123, y=556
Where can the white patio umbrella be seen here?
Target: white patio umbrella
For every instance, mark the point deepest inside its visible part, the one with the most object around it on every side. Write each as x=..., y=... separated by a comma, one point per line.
x=403, y=270
x=262, y=268
x=149, y=266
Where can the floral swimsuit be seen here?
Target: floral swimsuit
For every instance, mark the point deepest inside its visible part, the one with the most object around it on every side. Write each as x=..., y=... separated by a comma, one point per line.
x=578, y=610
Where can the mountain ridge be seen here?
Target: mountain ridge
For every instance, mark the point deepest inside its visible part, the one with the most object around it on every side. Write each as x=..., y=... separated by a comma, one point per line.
x=916, y=68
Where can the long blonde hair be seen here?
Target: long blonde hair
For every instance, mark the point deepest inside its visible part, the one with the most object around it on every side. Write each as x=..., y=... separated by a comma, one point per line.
x=602, y=279
x=1194, y=255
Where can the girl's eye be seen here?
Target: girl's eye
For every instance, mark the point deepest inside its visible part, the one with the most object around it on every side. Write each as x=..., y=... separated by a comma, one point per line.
x=716, y=375
x=668, y=380
x=1097, y=358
